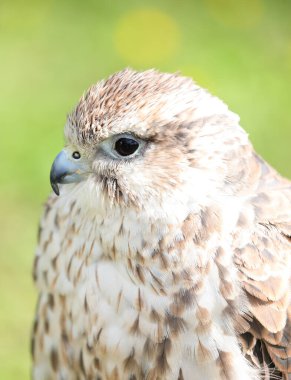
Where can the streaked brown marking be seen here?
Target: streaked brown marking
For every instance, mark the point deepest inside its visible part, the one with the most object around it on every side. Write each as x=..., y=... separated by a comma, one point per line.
x=139, y=302
x=39, y=231
x=149, y=349
x=227, y=290
x=202, y=353
x=113, y=251
x=176, y=324
x=140, y=273
x=98, y=334
x=46, y=326
x=164, y=260
x=198, y=286
x=129, y=263
x=155, y=316
x=164, y=349
x=56, y=221
x=45, y=276
x=54, y=262
x=118, y=300
x=97, y=363
x=41, y=341
x=130, y=363
x=185, y=297
x=114, y=374
x=47, y=209
x=180, y=377
x=32, y=347
x=34, y=272
x=204, y=321
x=35, y=326
x=54, y=359
x=134, y=328
x=81, y=362
x=224, y=362
x=157, y=280
x=47, y=242
x=86, y=307
x=72, y=205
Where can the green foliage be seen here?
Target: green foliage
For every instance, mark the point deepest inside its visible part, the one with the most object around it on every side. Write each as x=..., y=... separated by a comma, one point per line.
x=52, y=50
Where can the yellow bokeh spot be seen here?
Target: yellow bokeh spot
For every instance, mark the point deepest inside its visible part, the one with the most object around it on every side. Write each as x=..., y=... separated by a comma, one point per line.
x=236, y=13
x=146, y=37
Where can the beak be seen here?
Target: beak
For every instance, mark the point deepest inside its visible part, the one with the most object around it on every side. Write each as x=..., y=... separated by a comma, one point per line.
x=66, y=169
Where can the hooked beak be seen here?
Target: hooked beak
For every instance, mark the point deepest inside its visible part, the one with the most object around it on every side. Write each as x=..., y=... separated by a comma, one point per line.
x=66, y=169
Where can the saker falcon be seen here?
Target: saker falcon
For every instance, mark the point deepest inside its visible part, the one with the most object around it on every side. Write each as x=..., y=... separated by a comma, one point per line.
x=165, y=251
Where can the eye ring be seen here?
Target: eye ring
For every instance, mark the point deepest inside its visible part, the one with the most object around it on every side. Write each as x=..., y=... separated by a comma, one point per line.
x=126, y=146
x=76, y=155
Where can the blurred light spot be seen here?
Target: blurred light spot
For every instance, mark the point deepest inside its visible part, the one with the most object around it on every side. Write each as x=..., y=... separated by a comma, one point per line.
x=236, y=13
x=199, y=76
x=146, y=37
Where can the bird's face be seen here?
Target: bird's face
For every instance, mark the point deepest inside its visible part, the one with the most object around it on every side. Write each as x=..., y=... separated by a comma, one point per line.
x=125, y=168
x=136, y=140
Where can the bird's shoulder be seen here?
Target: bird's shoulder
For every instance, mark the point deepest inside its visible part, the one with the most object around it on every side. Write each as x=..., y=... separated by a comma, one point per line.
x=262, y=257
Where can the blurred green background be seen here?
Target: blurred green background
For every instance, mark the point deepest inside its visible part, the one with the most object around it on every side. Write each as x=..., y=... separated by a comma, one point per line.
x=51, y=51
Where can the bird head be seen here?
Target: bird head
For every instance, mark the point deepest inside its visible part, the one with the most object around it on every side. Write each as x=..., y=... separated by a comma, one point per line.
x=146, y=139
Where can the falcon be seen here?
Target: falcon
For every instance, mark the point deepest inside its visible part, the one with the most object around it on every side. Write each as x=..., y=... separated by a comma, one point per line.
x=164, y=251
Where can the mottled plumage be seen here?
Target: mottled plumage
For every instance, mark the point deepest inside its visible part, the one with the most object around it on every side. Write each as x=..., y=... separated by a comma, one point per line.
x=172, y=263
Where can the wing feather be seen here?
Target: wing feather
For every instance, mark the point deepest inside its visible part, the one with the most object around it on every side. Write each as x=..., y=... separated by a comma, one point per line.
x=263, y=262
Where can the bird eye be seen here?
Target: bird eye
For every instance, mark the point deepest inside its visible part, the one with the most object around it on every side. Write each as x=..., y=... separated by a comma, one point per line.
x=76, y=155
x=126, y=146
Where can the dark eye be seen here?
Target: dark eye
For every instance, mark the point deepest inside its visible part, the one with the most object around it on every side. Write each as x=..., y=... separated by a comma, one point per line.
x=125, y=146
x=76, y=155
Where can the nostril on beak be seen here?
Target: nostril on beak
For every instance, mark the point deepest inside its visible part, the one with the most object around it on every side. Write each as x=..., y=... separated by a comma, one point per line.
x=65, y=169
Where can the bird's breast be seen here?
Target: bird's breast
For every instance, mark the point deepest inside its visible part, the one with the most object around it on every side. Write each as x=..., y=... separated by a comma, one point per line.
x=131, y=300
